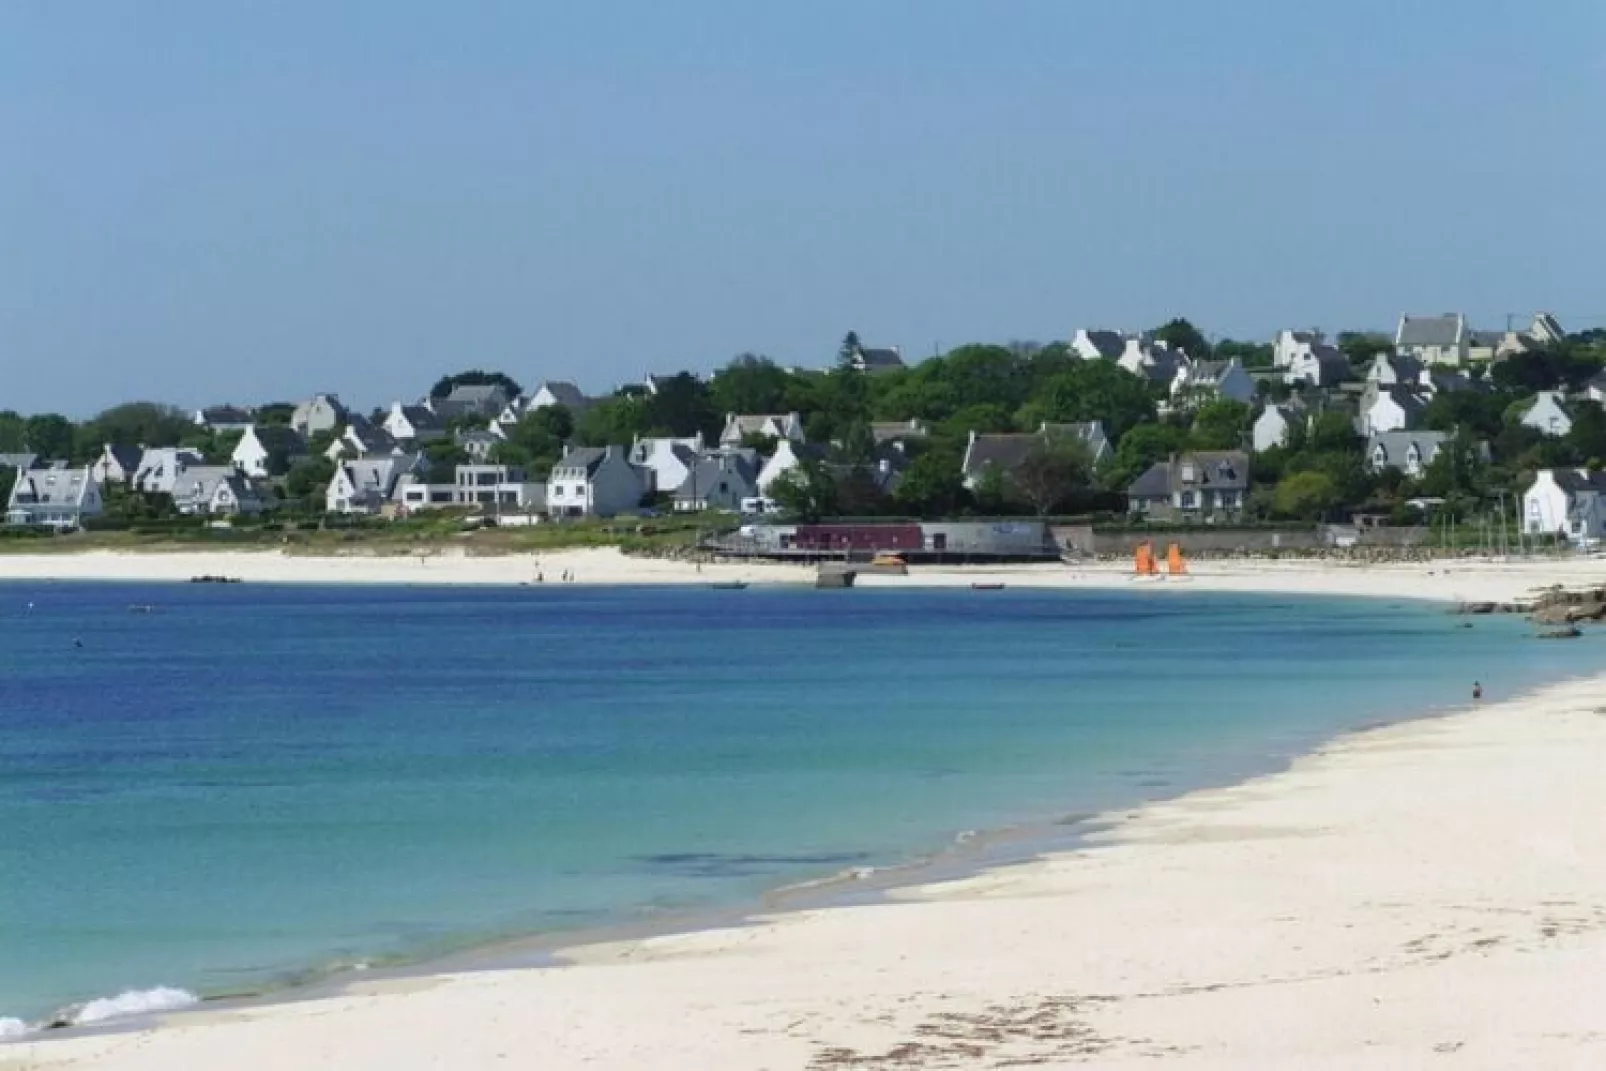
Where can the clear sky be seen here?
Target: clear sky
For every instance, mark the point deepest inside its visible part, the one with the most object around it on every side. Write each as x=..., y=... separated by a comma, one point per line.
x=212, y=201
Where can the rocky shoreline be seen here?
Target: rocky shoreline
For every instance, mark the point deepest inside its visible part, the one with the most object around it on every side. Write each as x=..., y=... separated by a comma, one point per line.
x=1557, y=612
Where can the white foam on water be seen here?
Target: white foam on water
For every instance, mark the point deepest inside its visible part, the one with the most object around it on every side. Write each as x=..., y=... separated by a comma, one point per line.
x=133, y=1002
x=13, y=1028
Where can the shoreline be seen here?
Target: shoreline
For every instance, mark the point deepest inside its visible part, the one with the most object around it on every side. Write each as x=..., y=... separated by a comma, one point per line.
x=1445, y=580
x=674, y=979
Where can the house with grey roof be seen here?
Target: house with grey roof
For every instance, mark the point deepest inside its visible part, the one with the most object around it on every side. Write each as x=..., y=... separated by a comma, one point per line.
x=196, y=486
x=898, y=431
x=321, y=412
x=1205, y=485
x=1097, y=344
x=1317, y=364
x=56, y=497
x=1392, y=370
x=558, y=392
x=477, y=443
x=363, y=438
x=268, y=450
x=739, y=426
x=470, y=399
x=224, y=418
x=1290, y=344
x=239, y=495
x=718, y=482
x=1548, y=414
x=1398, y=408
x=117, y=464
x=21, y=460
x=1198, y=380
x=1434, y=339
x=414, y=423
x=1004, y=453
x=666, y=461
x=161, y=467
x=1153, y=359
x=594, y=481
x=364, y=484
x=1571, y=502
x=877, y=360
x=1411, y=452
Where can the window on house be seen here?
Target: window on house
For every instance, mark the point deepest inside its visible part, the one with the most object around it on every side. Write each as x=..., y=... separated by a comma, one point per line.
x=1190, y=500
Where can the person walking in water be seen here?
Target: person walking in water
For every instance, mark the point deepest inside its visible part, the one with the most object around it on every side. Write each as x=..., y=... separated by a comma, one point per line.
x=1477, y=691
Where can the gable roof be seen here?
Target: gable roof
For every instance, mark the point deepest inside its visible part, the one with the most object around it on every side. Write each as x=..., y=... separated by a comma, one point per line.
x=422, y=418
x=1211, y=470
x=1109, y=344
x=18, y=461
x=587, y=458
x=1395, y=445
x=279, y=437
x=563, y=393
x=710, y=470
x=1446, y=330
x=885, y=358
x=126, y=457
x=55, y=486
x=226, y=414
x=1574, y=481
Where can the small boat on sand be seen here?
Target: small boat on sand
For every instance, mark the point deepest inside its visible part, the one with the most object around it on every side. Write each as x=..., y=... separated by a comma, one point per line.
x=729, y=585
x=988, y=586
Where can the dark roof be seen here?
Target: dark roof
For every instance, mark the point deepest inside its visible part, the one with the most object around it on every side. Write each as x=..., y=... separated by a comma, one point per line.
x=880, y=358
x=127, y=457
x=1573, y=481
x=280, y=437
x=422, y=418
x=706, y=475
x=1213, y=470
x=1005, y=452
x=1429, y=330
x=226, y=414
x=567, y=394
x=1110, y=344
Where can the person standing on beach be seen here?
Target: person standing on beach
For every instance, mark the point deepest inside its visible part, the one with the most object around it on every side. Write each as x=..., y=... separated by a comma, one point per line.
x=1477, y=691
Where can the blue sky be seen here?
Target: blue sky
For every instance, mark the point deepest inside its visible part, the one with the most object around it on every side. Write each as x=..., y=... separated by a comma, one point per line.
x=208, y=200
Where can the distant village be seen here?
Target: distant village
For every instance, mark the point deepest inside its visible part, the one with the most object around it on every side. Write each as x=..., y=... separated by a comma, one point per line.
x=1152, y=427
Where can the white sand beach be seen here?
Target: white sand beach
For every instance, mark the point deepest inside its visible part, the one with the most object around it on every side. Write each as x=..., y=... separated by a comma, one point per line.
x=1430, y=894
x=1447, y=581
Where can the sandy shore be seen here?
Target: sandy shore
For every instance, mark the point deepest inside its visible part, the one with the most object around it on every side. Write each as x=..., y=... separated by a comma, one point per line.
x=1431, y=894
x=1446, y=581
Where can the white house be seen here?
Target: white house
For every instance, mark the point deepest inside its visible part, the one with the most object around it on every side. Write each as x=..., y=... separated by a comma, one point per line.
x=1154, y=360
x=116, y=464
x=788, y=455
x=321, y=412
x=224, y=418
x=363, y=439
x=1434, y=339
x=666, y=461
x=773, y=425
x=556, y=392
x=1316, y=364
x=196, y=486
x=1548, y=414
x=719, y=481
x=1568, y=501
x=267, y=450
x=1097, y=344
x=365, y=484
x=594, y=481
x=237, y=495
x=58, y=497
x=1390, y=409
x=161, y=467
x=498, y=487
x=1216, y=379
x=413, y=493
x=1272, y=427
x=477, y=443
x=1390, y=371
x=1409, y=451
x=414, y=423
x=1289, y=344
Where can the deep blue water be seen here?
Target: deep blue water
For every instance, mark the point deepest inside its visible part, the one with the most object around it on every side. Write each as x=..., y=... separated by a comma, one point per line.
x=255, y=781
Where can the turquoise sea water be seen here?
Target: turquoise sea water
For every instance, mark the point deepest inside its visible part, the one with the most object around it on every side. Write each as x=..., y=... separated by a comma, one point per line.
x=253, y=782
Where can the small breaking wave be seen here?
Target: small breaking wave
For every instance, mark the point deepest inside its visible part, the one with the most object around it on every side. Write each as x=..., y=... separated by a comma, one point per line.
x=125, y=1005
x=132, y=1002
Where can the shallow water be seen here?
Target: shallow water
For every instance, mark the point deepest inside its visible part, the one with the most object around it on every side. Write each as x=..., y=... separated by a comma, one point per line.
x=255, y=782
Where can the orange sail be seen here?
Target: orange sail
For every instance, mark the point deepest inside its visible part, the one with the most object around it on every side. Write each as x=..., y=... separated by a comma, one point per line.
x=1174, y=561
x=1144, y=561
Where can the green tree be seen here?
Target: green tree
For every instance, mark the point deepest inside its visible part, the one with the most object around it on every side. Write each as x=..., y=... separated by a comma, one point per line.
x=1221, y=424
x=750, y=384
x=13, y=437
x=1251, y=354
x=8, y=479
x=1182, y=335
x=1092, y=390
x=1331, y=432
x=1051, y=474
x=308, y=479
x=141, y=424
x=1139, y=449
x=682, y=407
x=806, y=492
x=1478, y=411
x=932, y=485
x=1588, y=434
x=444, y=456
x=50, y=435
x=1305, y=496
x=615, y=421
x=1362, y=347
x=1459, y=468
x=849, y=349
